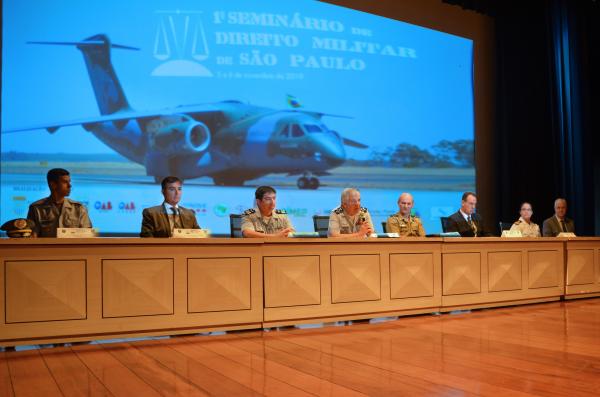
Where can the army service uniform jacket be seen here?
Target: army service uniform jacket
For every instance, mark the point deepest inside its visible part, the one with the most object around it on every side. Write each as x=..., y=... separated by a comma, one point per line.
x=253, y=220
x=341, y=223
x=411, y=227
x=526, y=229
x=48, y=217
x=155, y=221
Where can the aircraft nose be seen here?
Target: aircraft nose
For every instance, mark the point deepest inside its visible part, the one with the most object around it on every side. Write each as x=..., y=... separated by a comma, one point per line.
x=332, y=151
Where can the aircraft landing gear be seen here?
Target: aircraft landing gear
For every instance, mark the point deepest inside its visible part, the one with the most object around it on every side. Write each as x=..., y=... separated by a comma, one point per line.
x=306, y=182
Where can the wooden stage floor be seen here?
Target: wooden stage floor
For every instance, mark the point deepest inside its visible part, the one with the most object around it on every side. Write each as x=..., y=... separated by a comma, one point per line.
x=550, y=349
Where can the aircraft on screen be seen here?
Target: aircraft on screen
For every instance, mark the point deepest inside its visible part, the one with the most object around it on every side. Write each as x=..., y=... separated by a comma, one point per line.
x=229, y=141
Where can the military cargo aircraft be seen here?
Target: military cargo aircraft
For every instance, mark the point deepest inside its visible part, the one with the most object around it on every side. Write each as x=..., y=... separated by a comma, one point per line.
x=229, y=141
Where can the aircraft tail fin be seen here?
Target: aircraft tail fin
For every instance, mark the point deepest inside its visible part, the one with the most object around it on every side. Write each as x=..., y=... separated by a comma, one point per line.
x=107, y=88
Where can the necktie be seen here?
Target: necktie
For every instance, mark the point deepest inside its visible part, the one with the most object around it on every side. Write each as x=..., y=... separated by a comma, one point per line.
x=176, y=219
x=562, y=225
x=472, y=225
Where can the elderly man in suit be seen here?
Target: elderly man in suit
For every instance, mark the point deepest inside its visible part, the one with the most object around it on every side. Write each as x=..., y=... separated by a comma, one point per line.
x=558, y=223
x=465, y=221
x=159, y=221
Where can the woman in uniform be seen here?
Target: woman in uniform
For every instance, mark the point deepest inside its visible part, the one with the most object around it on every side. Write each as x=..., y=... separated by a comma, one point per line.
x=524, y=224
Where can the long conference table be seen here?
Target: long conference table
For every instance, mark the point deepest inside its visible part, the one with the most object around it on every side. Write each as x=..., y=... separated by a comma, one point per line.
x=66, y=290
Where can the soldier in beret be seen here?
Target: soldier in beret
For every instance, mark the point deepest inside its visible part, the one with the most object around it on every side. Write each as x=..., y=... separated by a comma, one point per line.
x=265, y=220
x=350, y=219
x=402, y=222
x=57, y=210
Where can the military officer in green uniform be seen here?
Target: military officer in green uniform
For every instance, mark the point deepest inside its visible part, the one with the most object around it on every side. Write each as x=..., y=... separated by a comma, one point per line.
x=57, y=210
x=350, y=219
x=265, y=220
x=402, y=222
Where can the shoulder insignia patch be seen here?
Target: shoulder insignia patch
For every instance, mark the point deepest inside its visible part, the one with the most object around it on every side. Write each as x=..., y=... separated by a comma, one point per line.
x=249, y=211
x=338, y=210
x=363, y=209
x=518, y=222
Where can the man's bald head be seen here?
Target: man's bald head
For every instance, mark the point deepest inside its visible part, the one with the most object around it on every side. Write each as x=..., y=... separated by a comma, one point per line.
x=405, y=204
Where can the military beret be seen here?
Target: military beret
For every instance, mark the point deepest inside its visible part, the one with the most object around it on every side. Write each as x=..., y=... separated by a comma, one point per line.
x=19, y=227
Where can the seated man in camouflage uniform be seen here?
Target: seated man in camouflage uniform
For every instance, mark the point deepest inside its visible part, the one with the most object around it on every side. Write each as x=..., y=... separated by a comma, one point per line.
x=57, y=210
x=350, y=219
x=402, y=222
x=265, y=220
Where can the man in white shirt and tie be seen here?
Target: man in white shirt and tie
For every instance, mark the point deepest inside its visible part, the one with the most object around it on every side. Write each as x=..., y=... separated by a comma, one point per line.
x=159, y=221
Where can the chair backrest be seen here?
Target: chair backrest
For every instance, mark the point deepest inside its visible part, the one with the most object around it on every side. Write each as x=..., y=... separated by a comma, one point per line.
x=321, y=224
x=235, y=225
x=504, y=226
x=444, y=221
x=384, y=226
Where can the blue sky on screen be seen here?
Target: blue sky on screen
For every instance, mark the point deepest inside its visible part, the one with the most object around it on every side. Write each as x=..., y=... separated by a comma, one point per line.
x=398, y=82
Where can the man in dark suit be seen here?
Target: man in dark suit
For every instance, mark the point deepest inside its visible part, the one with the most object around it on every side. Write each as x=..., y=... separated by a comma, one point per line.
x=160, y=221
x=559, y=222
x=465, y=221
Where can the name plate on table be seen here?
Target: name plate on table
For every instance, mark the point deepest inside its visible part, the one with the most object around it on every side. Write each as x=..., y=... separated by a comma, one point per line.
x=385, y=235
x=450, y=234
x=566, y=234
x=304, y=235
x=512, y=233
x=191, y=233
x=76, y=232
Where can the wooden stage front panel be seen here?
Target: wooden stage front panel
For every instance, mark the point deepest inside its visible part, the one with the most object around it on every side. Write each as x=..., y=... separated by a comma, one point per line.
x=81, y=289
x=491, y=271
x=78, y=289
x=314, y=280
x=583, y=267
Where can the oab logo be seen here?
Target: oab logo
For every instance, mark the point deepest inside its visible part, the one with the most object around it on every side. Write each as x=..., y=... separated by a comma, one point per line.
x=180, y=43
x=127, y=206
x=103, y=205
x=220, y=210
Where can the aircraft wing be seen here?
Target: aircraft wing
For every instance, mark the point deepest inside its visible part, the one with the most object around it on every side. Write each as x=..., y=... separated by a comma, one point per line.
x=120, y=118
x=353, y=143
x=318, y=114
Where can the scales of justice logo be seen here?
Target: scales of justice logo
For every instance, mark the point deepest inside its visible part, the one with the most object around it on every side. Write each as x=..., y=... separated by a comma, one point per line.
x=180, y=43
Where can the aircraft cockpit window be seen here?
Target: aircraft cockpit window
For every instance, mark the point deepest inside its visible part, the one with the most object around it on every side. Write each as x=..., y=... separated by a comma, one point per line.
x=312, y=128
x=285, y=132
x=297, y=131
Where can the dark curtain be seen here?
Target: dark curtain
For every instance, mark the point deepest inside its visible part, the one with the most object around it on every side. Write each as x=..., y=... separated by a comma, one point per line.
x=547, y=113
